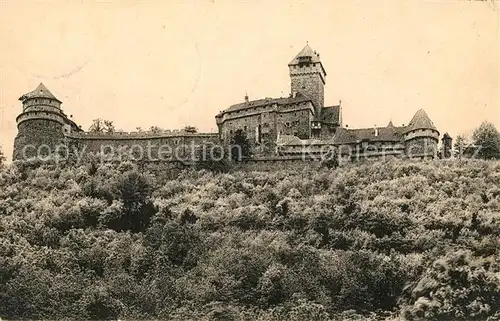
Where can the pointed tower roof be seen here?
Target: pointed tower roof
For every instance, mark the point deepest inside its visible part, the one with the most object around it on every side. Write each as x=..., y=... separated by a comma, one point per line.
x=390, y=124
x=40, y=92
x=420, y=121
x=305, y=52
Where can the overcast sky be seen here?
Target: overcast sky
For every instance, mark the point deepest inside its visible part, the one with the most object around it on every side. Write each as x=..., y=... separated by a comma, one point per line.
x=172, y=63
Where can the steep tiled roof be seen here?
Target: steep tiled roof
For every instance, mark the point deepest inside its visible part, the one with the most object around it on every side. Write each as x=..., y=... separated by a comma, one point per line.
x=267, y=101
x=330, y=114
x=291, y=140
x=288, y=140
x=315, y=141
x=389, y=133
x=40, y=92
x=350, y=136
x=420, y=121
x=305, y=52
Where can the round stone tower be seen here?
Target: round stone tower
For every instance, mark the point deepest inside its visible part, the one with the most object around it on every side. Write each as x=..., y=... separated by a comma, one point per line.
x=421, y=137
x=40, y=126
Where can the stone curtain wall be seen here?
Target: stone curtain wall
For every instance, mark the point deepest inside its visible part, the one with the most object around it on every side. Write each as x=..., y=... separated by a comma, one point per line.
x=150, y=149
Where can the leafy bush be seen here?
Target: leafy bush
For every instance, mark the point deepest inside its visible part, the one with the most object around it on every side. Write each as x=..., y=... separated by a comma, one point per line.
x=361, y=242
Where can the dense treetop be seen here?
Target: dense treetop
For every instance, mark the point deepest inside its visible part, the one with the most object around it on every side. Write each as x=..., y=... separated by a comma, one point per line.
x=417, y=240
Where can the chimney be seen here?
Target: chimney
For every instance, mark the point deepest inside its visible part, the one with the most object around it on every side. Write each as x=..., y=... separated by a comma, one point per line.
x=246, y=97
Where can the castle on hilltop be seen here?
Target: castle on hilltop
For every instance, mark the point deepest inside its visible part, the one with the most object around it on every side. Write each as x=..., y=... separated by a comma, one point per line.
x=284, y=127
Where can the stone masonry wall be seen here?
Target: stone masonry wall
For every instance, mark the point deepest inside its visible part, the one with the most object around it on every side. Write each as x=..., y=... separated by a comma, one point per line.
x=37, y=137
x=421, y=147
x=263, y=127
x=296, y=123
x=311, y=86
x=182, y=147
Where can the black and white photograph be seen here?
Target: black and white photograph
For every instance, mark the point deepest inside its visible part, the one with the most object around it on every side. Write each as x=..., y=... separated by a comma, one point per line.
x=237, y=160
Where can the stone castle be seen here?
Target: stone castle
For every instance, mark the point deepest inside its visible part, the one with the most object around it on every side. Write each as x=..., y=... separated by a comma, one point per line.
x=276, y=127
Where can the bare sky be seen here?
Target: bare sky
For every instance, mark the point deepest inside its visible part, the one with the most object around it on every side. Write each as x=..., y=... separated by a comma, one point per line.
x=173, y=63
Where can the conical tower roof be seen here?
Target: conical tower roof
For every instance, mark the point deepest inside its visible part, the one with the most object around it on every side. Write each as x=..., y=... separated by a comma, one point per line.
x=420, y=121
x=305, y=52
x=40, y=92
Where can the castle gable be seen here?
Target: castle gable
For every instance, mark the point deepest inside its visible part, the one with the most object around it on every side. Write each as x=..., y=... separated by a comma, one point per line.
x=330, y=115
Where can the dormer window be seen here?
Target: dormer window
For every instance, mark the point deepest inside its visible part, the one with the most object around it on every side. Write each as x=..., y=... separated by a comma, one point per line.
x=304, y=61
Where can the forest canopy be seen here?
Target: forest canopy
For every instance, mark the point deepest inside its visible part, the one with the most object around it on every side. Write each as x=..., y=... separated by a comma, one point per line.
x=394, y=238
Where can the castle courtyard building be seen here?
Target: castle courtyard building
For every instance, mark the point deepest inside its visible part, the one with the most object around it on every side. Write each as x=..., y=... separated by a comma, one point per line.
x=301, y=123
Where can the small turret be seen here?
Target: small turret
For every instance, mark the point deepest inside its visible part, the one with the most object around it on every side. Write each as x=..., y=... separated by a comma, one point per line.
x=446, y=146
x=41, y=96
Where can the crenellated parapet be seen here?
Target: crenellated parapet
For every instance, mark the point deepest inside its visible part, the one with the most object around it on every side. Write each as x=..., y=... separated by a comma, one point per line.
x=119, y=135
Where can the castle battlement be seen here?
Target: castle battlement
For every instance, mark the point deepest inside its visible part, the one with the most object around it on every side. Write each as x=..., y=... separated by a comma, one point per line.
x=139, y=134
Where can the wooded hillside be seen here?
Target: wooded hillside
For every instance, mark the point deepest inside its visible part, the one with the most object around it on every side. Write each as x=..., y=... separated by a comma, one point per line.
x=411, y=239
